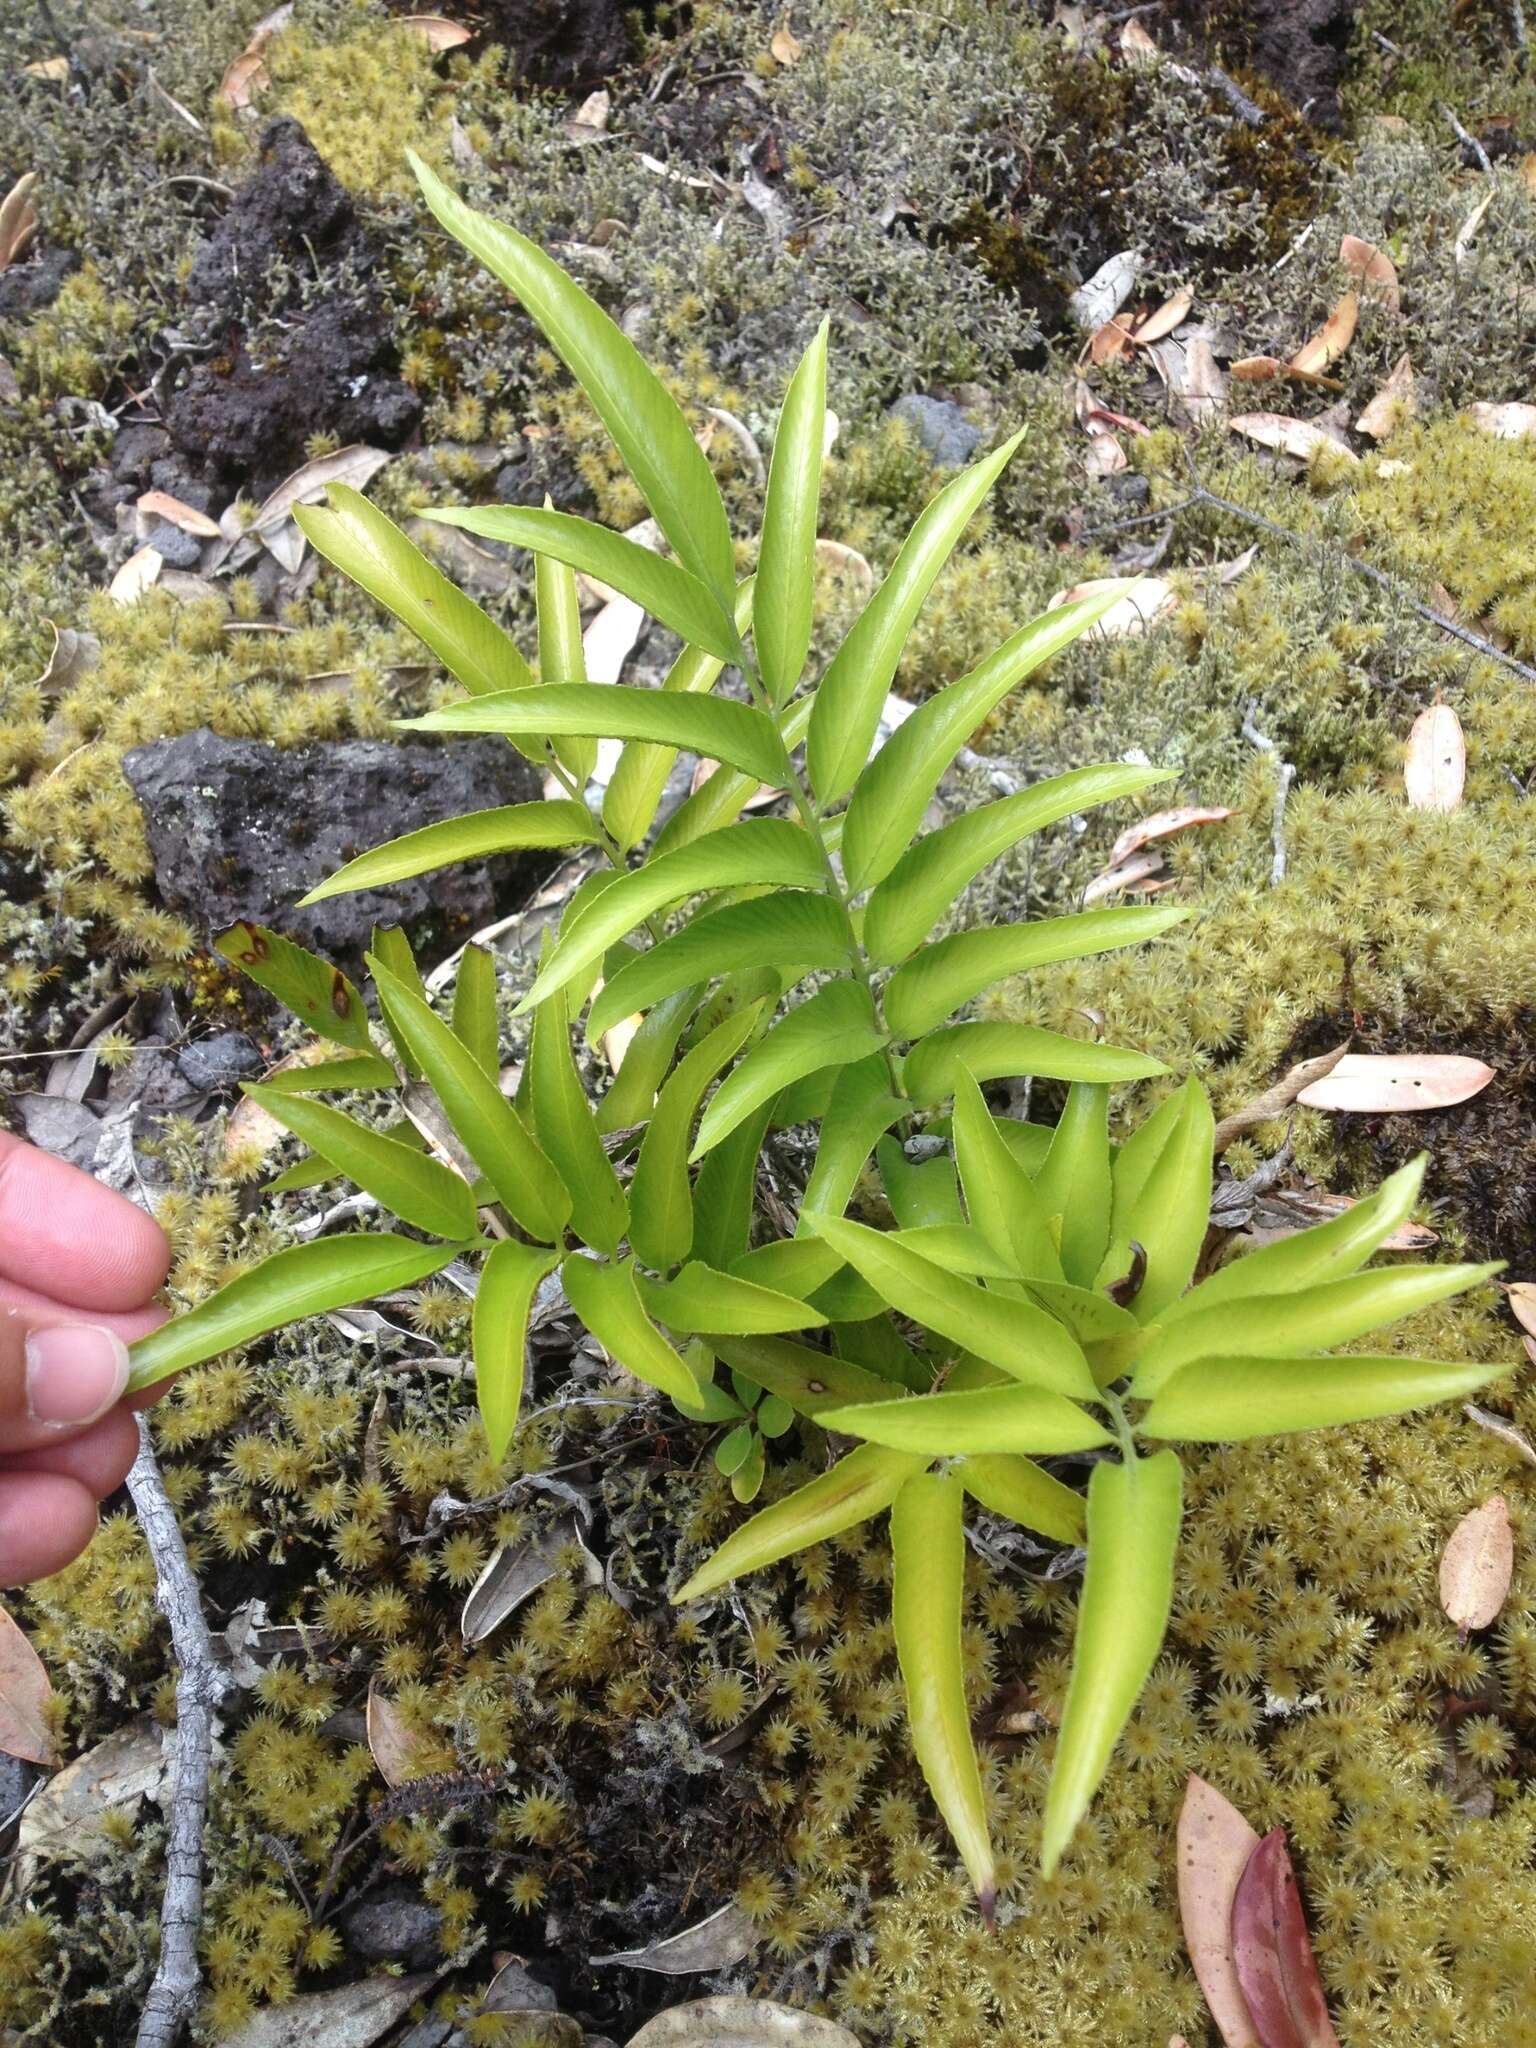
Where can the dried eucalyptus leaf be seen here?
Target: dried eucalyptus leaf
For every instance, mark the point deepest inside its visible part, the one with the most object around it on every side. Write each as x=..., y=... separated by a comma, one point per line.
x=740, y=2023
x=713, y=1944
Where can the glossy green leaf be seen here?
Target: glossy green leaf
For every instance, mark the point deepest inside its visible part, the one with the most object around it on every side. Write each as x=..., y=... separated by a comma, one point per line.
x=372, y=550
x=567, y=1131
x=475, y=1022
x=1076, y=1181
x=1325, y=1252
x=794, y=929
x=1225, y=1398
x=786, y=561
x=927, y=1613
x=1025, y=1493
x=861, y=1110
x=410, y=1185
x=920, y=1191
x=525, y=1180
x=775, y=1418
x=835, y=1025
x=725, y=1192
x=648, y=429
x=999, y=1194
x=478, y=834
x=319, y=994
x=925, y=881
x=1013, y=1334
x=1091, y=1316
x=725, y=793
x=1314, y=1319
x=703, y=1302
x=362, y=1071
x=937, y=979
x=732, y=1451
x=390, y=945
x=747, y=1479
x=640, y=776
x=810, y=1381
x=1133, y=1532
x=1163, y=1201
x=958, y=1248
x=660, y=1198
x=886, y=811
x=994, y=1052
x=717, y=726
x=764, y=850
x=508, y=1281
x=858, y=1486
x=736, y=991
x=953, y=1425
x=562, y=657
x=794, y=1265
x=663, y=588
x=306, y=1280
x=875, y=1344
x=604, y=1294
x=633, y=1094
x=853, y=689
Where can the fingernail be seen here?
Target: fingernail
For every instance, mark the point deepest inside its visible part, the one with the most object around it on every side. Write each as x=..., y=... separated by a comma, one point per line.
x=75, y=1372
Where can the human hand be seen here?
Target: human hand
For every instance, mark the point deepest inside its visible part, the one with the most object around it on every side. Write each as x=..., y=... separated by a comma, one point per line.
x=78, y=1265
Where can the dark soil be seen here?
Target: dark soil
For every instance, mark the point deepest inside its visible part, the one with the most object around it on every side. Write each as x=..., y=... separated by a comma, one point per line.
x=562, y=45
x=1300, y=47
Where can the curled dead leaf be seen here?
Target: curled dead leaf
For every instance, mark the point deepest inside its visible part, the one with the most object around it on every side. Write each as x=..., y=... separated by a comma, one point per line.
x=1272, y=1951
x=18, y=219
x=1331, y=339
x=731, y=2022
x=1142, y=875
x=1277, y=1100
x=1435, y=770
x=1163, y=825
x=1298, y=438
x=1521, y=1296
x=1477, y=1564
x=1374, y=268
x=1393, y=403
x=1215, y=1845
x=1136, y=46
x=136, y=576
x=436, y=31
x=161, y=505
x=399, y=1750
x=786, y=47
x=1171, y=314
x=1498, y=1425
x=715, y=1943
x=1398, y=1081
x=243, y=78
x=26, y=1695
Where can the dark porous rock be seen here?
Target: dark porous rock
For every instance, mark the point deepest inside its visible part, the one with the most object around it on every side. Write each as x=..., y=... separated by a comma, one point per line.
x=136, y=450
x=394, y=1929
x=292, y=365
x=940, y=426
x=562, y=45
x=177, y=549
x=29, y=287
x=239, y=829
x=219, y=1061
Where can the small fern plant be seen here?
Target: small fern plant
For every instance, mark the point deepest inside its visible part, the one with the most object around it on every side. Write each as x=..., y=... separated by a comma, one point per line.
x=1034, y=1297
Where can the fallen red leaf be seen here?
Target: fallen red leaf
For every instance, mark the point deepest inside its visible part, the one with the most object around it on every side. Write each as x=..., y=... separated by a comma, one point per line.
x=1215, y=1845
x=1477, y=1564
x=1163, y=825
x=1273, y=1953
x=1398, y=1081
x=25, y=1694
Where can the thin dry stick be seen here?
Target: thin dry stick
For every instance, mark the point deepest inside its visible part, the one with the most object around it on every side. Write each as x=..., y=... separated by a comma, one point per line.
x=200, y=1685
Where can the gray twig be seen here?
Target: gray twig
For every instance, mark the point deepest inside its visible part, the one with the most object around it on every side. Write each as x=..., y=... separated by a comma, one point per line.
x=200, y=1685
x=1522, y=40
x=1468, y=140
x=1285, y=775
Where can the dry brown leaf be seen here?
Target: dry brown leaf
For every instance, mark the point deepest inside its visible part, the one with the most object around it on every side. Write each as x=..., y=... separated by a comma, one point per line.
x=1466, y=235
x=1392, y=1082
x=1163, y=825
x=1435, y=770
x=243, y=79
x=1142, y=875
x=1105, y=457
x=436, y=31
x=1374, y=268
x=591, y=117
x=1272, y=1953
x=1331, y=339
x=1111, y=341
x=356, y=465
x=67, y=1817
x=1136, y=46
x=1509, y=422
x=1521, y=1296
x=1257, y=369
x=355, y=2016
x=1477, y=1565
x=724, y=1938
x=1171, y=314
x=731, y=2022
x=1499, y=1425
x=786, y=47
x=18, y=219
x=135, y=576
x=1214, y=1847
x=252, y=1131
x=1298, y=438
x=1317, y=1205
x=1276, y=1100
x=400, y=1751
x=1392, y=404
x=1144, y=598
x=161, y=505
x=25, y=1696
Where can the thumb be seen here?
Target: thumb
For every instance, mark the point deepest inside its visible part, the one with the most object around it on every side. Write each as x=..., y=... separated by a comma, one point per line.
x=56, y=1377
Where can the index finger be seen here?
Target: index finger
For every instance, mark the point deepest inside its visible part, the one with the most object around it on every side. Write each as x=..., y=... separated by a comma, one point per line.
x=67, y=1237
